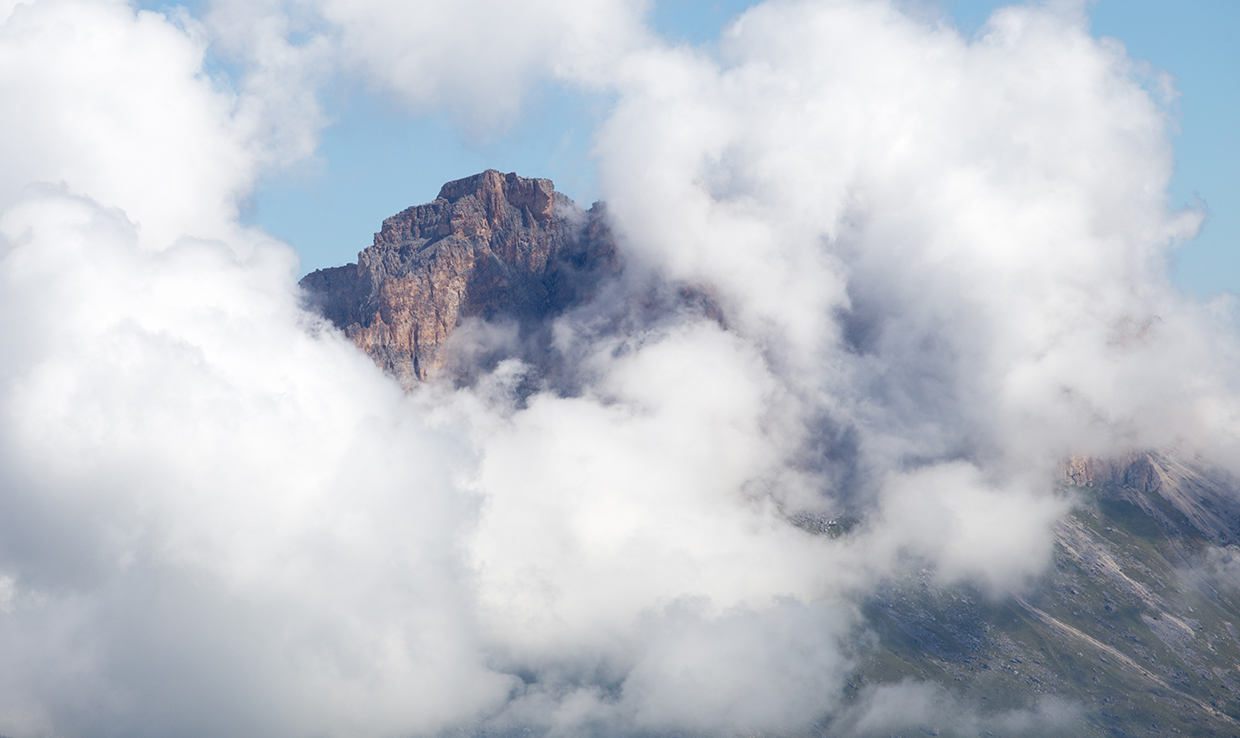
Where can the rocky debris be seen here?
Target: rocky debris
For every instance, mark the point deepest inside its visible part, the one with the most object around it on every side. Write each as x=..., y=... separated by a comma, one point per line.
x=496, y=247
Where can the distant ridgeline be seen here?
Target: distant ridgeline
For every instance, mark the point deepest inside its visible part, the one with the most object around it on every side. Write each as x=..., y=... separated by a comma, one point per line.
x=1135, y=625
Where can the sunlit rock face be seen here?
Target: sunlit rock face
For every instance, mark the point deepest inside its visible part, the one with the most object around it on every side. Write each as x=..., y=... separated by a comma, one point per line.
x=498, y=247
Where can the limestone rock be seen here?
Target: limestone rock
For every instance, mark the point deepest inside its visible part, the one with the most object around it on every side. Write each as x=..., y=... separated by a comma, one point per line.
x=1137, y=470
x=493, y=246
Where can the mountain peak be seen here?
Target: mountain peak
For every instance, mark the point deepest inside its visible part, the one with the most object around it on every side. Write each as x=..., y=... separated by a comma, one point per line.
x=534, y=194
x=492, y=246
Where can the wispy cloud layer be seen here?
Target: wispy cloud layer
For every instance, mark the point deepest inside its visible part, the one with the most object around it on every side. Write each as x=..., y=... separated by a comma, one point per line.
x=940, y=266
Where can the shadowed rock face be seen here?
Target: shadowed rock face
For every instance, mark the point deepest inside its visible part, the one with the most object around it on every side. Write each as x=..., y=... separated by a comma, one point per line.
x=493, y=246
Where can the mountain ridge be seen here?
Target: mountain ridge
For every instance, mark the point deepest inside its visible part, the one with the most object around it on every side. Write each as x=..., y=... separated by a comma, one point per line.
x=1134, y=627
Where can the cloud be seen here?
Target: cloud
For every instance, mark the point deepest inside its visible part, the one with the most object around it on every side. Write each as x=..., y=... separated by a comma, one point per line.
x=939, y=265
x=113, y=103
x=957, y=247
x=215, y=513
x=948, y=514
x=477, y=59
x=931, y=710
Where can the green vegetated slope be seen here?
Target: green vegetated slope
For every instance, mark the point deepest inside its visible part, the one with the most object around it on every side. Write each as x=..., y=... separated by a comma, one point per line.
x=1134, y=630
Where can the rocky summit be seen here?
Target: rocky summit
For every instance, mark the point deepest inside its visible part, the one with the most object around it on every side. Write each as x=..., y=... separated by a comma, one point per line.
x=496, y=247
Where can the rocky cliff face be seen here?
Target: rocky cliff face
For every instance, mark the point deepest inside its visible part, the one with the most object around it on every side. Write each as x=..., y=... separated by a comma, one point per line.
x=493, y=246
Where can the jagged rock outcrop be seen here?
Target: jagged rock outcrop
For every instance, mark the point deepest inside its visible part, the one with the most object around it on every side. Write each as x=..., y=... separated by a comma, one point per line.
x=1134, y=469
x=492, y=246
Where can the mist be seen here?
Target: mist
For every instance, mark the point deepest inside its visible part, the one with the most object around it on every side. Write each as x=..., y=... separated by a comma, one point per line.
x=940, y=265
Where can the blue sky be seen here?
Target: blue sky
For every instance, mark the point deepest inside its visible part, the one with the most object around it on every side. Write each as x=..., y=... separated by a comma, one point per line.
x=376, y=160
